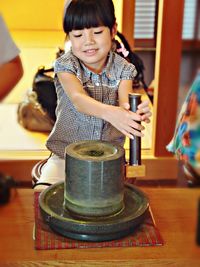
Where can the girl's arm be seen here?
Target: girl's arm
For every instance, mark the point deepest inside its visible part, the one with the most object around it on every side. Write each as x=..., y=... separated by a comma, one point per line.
x=10, y=72
x=125, y=88
x=121, y=118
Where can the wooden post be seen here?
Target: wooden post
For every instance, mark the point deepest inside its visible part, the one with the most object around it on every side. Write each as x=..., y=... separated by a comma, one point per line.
x=167, y=69
x=128, y=17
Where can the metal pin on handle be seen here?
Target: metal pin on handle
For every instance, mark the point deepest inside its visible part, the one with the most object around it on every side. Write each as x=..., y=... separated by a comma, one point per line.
x=135, y=144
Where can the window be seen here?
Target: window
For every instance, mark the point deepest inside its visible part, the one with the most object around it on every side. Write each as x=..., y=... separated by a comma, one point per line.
x=144, y=27
x=145, y=22
x=144, y=19
x=189, y=19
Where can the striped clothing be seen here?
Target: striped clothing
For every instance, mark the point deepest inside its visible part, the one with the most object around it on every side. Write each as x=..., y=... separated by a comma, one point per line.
x=71, y=125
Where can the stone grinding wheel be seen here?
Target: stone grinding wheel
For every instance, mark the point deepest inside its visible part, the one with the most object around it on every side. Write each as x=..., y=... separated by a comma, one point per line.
x=62, y=205
x=100, y=228
x=94, y=178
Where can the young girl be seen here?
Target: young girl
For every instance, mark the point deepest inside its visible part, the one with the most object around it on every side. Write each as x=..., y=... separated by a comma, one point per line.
x=92, y=84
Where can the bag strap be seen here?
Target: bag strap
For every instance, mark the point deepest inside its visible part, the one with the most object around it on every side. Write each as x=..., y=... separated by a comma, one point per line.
x=42, y=69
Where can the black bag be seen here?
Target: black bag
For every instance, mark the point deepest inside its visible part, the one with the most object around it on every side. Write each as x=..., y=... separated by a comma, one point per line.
x=37, y=111
x=43, y=86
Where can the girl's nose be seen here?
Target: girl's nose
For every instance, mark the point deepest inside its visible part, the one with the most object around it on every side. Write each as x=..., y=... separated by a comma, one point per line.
x=89, y=38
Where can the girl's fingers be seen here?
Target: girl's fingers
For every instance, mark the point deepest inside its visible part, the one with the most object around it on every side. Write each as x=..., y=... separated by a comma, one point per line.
x=131, y=135
x=144, y=104
x=133, y=125
x=147, y=120
x=127, y=134
x=143, y=110
x=134, y=129
x=134, y=116
x=146, y=116
x=126, y=106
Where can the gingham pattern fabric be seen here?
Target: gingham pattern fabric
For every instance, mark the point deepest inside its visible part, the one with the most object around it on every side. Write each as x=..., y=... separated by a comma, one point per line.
x=71, y=125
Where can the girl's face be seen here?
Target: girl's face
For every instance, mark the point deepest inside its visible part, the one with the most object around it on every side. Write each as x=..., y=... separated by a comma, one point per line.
x=92, y=46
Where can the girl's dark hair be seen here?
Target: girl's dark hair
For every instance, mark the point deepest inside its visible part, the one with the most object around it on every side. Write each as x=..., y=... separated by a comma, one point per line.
x=134, y=59
x=81, y=14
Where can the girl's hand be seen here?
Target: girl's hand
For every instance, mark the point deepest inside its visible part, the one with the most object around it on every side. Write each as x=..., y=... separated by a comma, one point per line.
x=125, y=121
x=143, y=109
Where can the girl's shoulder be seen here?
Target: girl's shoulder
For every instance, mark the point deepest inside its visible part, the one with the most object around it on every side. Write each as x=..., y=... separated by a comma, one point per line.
x=119, y=59
x=66, y=58
x=122, y=65
x=66, y=62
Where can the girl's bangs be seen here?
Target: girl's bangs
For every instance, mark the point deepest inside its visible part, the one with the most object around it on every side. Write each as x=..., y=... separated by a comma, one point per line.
x=88, y=20
x=87, y=17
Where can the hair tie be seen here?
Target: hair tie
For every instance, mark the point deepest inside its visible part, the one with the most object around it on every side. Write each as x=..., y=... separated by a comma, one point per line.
x=123, y=50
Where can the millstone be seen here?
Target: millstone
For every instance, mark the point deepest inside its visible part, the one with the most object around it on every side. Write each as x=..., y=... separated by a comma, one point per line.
x=94, y=184
x=116, y=226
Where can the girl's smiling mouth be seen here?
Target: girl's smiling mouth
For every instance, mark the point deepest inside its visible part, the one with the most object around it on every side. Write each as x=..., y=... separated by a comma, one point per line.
x=90, y=51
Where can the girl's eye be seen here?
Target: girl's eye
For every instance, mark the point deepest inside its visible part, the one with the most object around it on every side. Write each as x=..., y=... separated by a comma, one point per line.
x=77, y=35
x=98, y=32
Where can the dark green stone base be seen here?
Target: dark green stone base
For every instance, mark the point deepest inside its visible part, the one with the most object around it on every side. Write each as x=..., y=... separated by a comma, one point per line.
x=94, y=229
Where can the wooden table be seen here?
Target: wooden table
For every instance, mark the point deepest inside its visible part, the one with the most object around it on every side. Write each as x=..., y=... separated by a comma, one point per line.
x=175, y=213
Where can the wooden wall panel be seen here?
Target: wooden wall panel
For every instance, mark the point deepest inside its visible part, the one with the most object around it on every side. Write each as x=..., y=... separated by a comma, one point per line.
x=128, y=19
x=167, y=71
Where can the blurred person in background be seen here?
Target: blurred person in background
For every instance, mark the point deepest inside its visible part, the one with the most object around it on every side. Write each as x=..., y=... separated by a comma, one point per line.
x=186, y=141
x=11, y=69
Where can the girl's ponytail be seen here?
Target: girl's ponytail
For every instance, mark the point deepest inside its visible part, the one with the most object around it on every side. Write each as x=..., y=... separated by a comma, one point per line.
x=123, y=49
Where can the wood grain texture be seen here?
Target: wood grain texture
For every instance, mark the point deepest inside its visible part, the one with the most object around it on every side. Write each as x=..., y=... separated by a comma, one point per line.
x=135, y=171
x=167, y=69
x=128, y=17
x=175, y=213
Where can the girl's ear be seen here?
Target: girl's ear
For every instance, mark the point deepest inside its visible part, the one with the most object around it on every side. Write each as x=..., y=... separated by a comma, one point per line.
x=114, y=30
